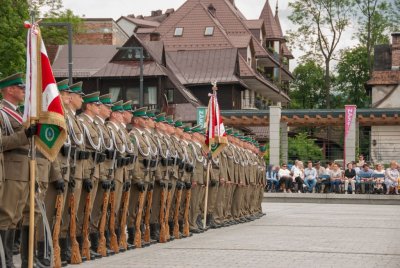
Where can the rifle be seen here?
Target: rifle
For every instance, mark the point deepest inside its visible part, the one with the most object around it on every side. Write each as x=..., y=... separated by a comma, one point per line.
x=186, y=213
x=122, y=239
x=85, y=229
x=113, y=236
x=162, y=217
x=149, y=202
x=75, y=253
x=102, y=248
x=56, y=231
x=168, y=207
x=138, y=233
x=176, y=212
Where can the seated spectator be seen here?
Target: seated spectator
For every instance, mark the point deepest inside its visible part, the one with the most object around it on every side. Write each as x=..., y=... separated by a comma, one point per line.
x=366, y=179
x=350, y=177
x=298, y=176
x=336, y=178
x=361, y=161
x=273, y=178
x=323, y=178
x=392, y=176
x=285, y=179
x=379, y=178
x=310, y=177
x=358, y=181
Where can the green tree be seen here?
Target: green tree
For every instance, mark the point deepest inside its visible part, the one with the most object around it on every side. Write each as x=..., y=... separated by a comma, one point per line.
x=308, y=86
x=320, y=26
x=353, y=73
x=395, y=16
x=303, y=148
x=373, y=20
x=59, y=35
x=12, y=36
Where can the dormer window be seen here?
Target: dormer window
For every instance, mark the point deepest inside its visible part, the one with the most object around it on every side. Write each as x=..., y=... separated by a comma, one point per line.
x=178, y=31
x=209, y=31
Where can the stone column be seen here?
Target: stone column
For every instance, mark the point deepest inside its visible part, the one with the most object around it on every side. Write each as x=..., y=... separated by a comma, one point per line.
x=284, y=143
x=351, y=140
x=274, y=134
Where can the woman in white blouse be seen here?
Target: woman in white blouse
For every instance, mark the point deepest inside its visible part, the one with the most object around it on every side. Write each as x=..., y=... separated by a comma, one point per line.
x=392, y=176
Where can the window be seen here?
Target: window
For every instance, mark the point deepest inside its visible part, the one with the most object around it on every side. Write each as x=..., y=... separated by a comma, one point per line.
x=151, y=96
x=170, y=95
x=178, y=31
x=133, y=94
x=209, y=31
x=114, y=91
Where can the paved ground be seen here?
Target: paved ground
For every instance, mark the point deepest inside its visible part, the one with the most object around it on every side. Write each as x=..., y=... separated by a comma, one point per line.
x=291, y=235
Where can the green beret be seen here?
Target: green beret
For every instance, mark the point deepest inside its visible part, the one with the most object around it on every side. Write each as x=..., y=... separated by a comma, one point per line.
x=187, y=129
x=170, y=120
x=178, y=123
x=151, y=113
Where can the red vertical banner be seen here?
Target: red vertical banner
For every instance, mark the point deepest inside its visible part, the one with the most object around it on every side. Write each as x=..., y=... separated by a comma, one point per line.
x=349, y=111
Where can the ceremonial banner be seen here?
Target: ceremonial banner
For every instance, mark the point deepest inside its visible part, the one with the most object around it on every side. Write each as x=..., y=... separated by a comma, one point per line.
x=216, y=138
x=350, y=111
x=42, y=99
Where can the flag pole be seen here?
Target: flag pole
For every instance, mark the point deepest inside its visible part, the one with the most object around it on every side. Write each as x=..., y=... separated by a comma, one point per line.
x=214, y=88
x=32, y=180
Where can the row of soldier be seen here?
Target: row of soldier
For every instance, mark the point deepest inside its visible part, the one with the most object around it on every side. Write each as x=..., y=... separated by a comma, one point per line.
x=124, y=179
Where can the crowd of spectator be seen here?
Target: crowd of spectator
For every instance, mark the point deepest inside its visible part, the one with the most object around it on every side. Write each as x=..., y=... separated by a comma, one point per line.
x=360, y=178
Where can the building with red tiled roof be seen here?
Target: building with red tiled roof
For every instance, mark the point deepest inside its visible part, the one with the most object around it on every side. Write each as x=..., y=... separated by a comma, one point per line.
x=261, y=74
x=385, y=93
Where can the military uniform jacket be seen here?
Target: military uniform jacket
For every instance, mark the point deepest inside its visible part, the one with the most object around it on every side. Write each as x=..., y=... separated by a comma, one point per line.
x=15, y=149
x=229, y=152
x=176, y=152
x=223, y=165
x=92, y=145
x=119, y=146
x=241, y=167
x=130, y=149
x=75, y=133
x=214, y=170
x=106, y=145
x=152, y=141
x=188, y=160
x=198, y=175
x=141, y=171
x=163, y=149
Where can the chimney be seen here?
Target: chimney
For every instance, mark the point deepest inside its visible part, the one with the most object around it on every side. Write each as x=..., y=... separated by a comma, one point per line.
x=131, y=16
x=212, y=10
x=156, y=13
x=140, y=17
x=169, y=11
x=155, y=36
x=396, y=51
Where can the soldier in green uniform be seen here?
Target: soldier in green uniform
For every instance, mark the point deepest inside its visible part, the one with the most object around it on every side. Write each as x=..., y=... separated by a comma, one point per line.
x=131, y=152
x=160, y=181
x=14, y=180
x=59, y=177
x=105, y=171
x=118, y=158
x=140, y=177
x=72, y=100
x=197, y=181
x=91, y=169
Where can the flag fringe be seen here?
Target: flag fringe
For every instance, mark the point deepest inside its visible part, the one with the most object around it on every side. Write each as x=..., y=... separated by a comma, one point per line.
x=51, y=153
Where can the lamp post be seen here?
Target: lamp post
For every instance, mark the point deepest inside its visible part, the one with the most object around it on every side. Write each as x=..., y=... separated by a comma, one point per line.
x=69, y=29
x=140, y=49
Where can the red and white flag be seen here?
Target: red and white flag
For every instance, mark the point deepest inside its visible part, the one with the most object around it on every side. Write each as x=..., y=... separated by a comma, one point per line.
x=216, y=138
x=42, y=99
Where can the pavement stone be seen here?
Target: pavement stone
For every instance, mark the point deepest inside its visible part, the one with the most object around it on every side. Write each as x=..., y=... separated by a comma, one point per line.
x=291, y=235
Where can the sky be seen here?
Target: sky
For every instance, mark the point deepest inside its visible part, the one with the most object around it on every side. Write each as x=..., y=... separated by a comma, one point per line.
x=117, y=8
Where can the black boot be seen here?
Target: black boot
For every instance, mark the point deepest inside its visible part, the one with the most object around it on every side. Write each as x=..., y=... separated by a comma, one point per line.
x=41, y=260
x=24, y=246
x=109, y=250
x=7, y=237
x=171, y=230
x=94, y=244
x=17, y=241
x=65, y=258
x=118, y=233
x=210, y=222
x=131, y=238
x=80, y=241
x=155, y=231
x=131, y=235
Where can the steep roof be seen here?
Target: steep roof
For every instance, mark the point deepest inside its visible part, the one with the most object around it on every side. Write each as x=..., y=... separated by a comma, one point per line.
x=272, y=29
x=254, y=24
x=141, y=22
x=88, y=59
x=203, y=66
x=286, y=51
